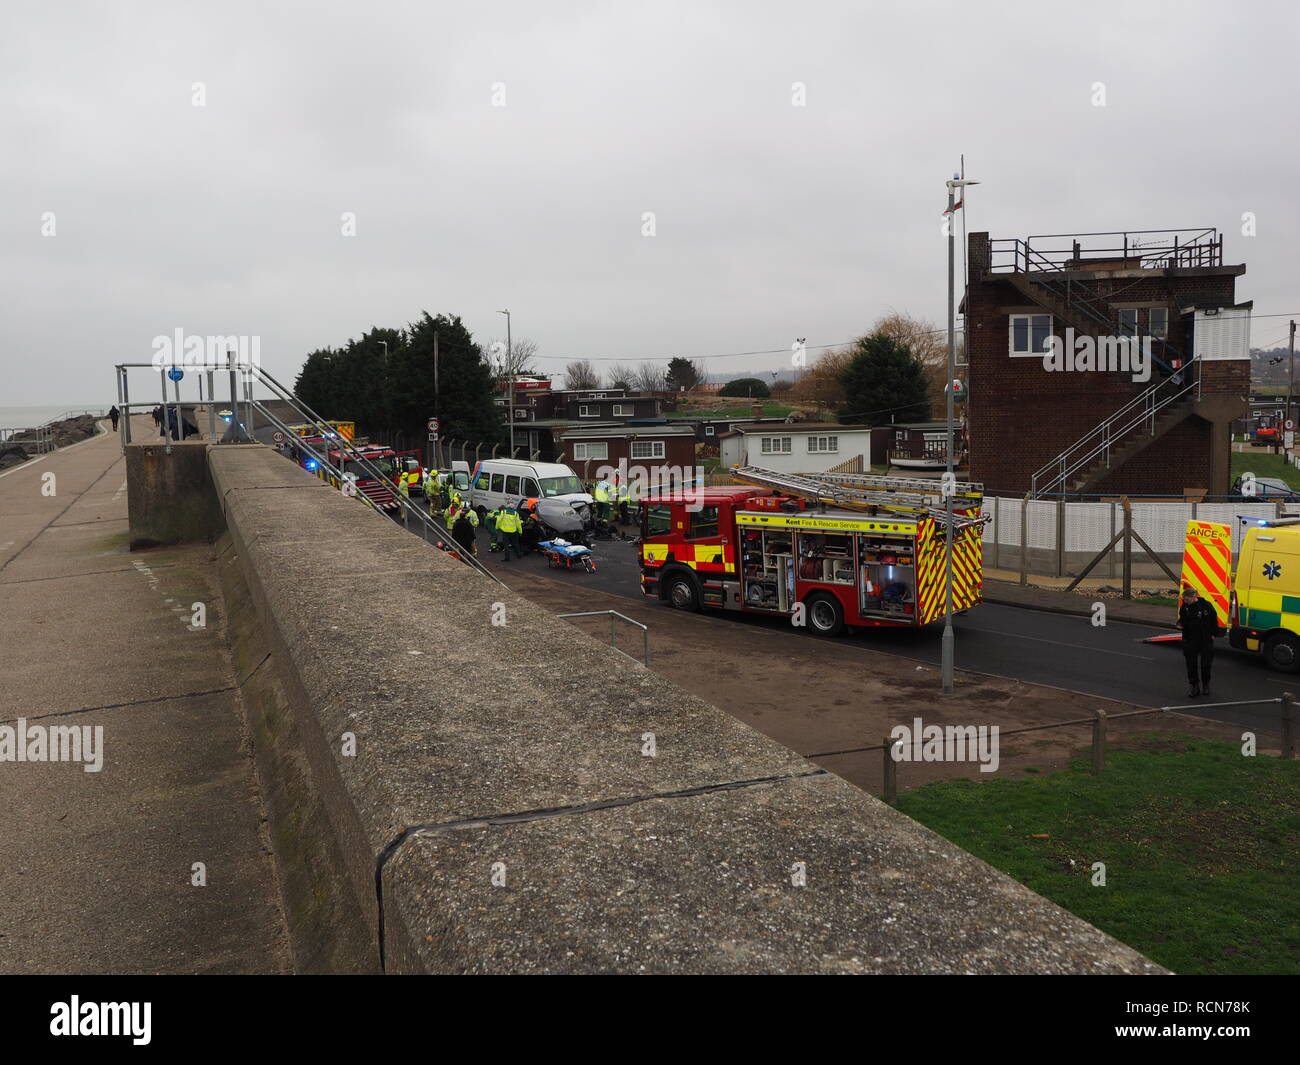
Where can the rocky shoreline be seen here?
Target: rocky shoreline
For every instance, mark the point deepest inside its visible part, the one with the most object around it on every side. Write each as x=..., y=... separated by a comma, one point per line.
x=65, y=432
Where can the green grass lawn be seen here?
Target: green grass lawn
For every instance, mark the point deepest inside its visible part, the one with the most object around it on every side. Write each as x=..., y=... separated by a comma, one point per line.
x=1157, y=600
x=1201, y=847
x=1263, y=463
x=739, y=409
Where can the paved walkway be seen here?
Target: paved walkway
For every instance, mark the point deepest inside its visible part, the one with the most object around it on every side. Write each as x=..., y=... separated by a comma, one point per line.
x=97, y=868
x=1048, y=593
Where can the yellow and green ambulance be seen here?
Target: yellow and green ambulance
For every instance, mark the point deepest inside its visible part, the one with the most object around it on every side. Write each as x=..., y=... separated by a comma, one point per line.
x=1264, y=607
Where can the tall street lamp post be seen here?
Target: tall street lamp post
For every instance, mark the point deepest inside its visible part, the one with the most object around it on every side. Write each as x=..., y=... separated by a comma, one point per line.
x=950, y=477
x=510, y=395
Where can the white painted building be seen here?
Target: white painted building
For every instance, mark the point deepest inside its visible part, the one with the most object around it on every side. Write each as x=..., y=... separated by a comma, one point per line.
x=796, y=447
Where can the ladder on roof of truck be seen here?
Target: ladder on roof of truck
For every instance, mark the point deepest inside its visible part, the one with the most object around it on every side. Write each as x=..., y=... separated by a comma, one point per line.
x=861, y=491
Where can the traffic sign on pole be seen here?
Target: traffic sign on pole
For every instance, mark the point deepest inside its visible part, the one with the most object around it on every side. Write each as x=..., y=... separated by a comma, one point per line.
x=278, y=436
x=433, y=426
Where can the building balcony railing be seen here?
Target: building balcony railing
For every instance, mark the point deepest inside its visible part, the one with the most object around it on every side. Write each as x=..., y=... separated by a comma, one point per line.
x=1145, y=249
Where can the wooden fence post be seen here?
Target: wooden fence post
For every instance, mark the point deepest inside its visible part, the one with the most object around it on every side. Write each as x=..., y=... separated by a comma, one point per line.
x=1024, y=539
x=1288, y=725
x=1098, y=742
x=891, y=772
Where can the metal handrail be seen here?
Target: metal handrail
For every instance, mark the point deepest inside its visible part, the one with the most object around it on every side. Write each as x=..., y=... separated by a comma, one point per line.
x=1187, y=247
x=100, y=413
x=345, y=446
x=645, y=632
x=252, y=375
x=37, y=438
x=1147, y=407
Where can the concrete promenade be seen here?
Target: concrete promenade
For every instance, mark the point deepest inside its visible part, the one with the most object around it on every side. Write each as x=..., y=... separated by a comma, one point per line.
x=99, y=870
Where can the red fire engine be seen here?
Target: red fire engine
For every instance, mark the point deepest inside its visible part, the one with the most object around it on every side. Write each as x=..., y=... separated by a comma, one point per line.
x=836, y=550
x=378, y=492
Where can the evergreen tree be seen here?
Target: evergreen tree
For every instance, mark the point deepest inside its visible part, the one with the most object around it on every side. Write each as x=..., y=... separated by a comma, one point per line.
x=464, y=403
x=385, y=383
x=884, y=381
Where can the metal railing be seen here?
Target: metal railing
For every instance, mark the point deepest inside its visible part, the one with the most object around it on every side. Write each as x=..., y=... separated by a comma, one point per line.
x=613, y=616
x=1140, y=412
x=1147, y=249
x=241, y=432
x=1099, y=720
x=99, y=413
x=36, y=439
x=348, y=453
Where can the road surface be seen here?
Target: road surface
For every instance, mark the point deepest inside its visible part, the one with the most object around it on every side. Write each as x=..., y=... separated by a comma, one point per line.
x=1057, y=650
x=1035, y=646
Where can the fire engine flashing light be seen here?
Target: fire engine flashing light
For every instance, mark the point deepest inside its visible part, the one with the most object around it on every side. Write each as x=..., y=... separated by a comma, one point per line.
x=311, y=464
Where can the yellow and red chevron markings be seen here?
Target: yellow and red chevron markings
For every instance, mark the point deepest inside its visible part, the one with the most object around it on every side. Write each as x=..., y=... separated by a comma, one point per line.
x=1207, y=563
x=967, y=567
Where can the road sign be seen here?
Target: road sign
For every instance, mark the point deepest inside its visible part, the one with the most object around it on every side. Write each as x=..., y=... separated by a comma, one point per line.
x=433, y=426
x=1290, y=424
x=433, y=437
x=278, y=437
x=175, y=373
x=1288, y=439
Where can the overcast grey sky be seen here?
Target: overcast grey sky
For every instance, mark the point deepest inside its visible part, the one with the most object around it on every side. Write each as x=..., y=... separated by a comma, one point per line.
x=773, y=221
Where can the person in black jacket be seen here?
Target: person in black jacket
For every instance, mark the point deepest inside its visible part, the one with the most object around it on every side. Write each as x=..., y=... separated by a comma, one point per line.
x=1200, y=625
x=462, y=531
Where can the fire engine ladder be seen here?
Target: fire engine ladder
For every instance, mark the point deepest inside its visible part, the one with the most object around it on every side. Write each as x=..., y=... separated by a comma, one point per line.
x=861, y=491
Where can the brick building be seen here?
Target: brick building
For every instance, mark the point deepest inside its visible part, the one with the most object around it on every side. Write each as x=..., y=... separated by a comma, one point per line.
x=1099, y=431
x=654, y=448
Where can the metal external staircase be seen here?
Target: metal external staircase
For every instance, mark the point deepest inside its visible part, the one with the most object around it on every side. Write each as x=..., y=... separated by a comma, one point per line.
x=1053, y=276
x=1071, y=304
x=1131, y=429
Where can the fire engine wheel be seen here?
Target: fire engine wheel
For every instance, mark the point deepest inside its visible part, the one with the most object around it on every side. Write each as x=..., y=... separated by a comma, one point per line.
x=1282, y=652
x=825, y=615
x=681, y=592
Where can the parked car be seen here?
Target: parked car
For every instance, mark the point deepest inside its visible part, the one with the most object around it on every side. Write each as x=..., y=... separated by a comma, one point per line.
x=1267, y=490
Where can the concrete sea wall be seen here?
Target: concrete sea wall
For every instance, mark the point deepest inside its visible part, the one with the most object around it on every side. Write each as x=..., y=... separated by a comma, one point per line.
x=454, y=786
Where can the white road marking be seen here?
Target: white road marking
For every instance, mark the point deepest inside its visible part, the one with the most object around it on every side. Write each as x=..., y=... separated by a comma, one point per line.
x=1059, y=643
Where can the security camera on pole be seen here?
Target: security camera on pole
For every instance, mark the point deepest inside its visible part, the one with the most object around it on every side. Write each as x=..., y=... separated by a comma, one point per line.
x=950, y=478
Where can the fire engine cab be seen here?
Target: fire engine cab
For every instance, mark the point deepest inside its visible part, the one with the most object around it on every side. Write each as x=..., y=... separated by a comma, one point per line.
x=835, y=550
x=393, y=465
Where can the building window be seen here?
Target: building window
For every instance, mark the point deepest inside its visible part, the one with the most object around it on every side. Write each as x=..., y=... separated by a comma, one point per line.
x=622, y=409
x=591, y=451
x=647, y=449
x=1030, y=335
x=585, y=411
x=1159, y=322
x=823, y=445
x=1128, y=322
x=774, y=445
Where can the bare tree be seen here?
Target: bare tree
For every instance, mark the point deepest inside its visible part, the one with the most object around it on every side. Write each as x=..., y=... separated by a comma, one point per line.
x=648, y=377
x=581, y=374
x=820, y=383
x=513, y=360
